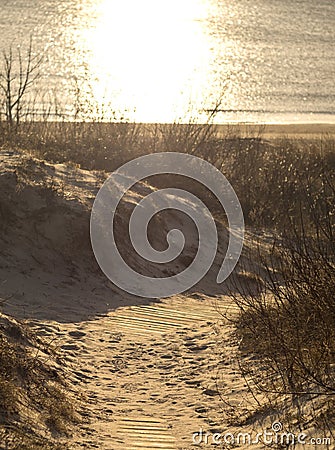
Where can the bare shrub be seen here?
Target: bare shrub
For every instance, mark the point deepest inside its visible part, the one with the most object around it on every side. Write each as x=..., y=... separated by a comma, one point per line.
x=288, y=322
x=18, y=74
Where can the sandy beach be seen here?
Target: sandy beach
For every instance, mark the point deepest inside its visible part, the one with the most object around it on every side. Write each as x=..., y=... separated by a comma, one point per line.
x=150, y=373
x=278, y=131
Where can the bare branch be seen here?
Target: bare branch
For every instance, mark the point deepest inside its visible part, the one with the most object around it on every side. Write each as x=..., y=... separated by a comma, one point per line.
x=16, y=78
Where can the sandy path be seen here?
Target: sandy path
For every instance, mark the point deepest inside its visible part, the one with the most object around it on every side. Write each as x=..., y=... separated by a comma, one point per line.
x=148, y=370
x=149, y=373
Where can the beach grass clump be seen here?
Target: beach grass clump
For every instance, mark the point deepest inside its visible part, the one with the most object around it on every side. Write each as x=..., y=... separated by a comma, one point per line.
x=35, y=410
x=105, y=145
x=276, y=181
x=287, y=324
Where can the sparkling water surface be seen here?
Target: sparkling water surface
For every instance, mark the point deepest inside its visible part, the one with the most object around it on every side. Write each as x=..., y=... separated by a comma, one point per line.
x=159, y=61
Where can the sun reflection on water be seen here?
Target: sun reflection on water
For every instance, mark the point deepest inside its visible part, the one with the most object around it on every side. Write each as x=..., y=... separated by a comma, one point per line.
x=149, y=57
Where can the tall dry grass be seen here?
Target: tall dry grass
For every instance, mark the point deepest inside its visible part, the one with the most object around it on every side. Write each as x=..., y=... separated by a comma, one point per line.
x=287, y=323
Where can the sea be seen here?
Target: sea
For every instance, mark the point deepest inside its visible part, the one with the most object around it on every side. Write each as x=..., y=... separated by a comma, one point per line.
x=258, y=61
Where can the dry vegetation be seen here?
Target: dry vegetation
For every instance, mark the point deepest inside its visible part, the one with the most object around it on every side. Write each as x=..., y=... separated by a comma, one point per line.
x=288, y=322
x=35, y=410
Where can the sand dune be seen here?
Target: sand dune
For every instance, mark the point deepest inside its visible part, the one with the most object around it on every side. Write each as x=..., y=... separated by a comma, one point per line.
x=148, y=373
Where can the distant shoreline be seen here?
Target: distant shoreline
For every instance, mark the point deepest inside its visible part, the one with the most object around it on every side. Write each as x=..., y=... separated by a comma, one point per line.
x=274, y=131
x=224, y=130
x=267, y=130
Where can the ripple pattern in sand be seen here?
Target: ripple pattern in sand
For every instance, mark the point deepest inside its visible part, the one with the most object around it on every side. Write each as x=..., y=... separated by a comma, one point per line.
x=148, y=373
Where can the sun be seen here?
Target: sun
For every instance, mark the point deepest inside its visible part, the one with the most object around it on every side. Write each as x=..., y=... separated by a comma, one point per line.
x=149, y=57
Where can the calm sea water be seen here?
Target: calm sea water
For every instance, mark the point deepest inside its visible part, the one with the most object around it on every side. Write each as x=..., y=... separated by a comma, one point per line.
x=157, y=61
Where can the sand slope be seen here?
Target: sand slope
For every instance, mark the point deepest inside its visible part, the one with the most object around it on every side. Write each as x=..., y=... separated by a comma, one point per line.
x=152, y=373
x=147, y=368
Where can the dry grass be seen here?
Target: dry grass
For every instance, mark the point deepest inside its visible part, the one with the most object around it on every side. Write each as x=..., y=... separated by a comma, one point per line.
x=287, y=323
x=34, y=406
x=101, y=145
x=274, y=180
